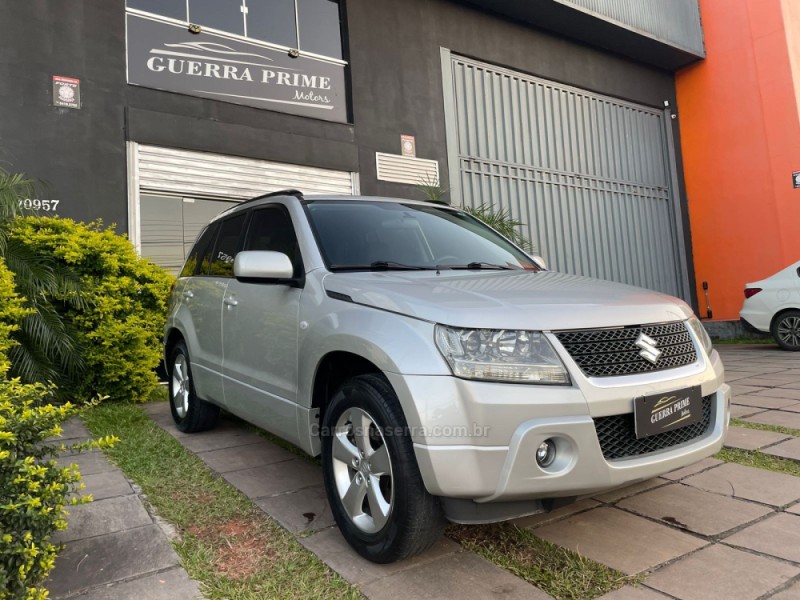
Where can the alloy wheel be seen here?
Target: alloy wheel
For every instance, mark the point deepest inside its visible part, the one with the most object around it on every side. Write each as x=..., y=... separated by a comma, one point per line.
x=180, y=386
x=362, y=470
x=789, y=331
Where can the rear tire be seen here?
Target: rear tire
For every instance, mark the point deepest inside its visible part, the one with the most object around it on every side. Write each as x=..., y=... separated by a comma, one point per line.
x=190, y=413
x=371, y=475
x=786, y=330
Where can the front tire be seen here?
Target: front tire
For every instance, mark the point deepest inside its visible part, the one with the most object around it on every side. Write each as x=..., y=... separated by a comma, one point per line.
x=371, y=475
x=190, y=413
x=786, y=330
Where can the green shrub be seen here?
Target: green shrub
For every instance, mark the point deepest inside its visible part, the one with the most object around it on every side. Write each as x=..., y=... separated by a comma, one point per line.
x=11, y=314
x=121, y=327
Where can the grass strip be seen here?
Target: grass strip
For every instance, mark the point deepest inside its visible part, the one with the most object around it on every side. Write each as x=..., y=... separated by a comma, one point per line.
x=226, y=542
x=756, y=458
x=562, y=573
x=764, y=427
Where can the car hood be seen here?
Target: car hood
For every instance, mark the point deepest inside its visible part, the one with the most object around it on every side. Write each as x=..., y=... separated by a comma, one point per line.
x=543, y=300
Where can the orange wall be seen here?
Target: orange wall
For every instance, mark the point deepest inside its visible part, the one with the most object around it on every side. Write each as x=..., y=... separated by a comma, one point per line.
x=740, y=133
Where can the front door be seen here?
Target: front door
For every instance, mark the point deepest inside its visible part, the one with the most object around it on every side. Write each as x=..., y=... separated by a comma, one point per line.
x=260, y=331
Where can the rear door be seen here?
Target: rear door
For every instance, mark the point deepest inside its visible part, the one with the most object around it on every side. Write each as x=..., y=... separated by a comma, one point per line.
x=260, y=333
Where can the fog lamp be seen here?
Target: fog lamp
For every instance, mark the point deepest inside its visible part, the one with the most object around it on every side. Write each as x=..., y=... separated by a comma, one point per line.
x=546, y=453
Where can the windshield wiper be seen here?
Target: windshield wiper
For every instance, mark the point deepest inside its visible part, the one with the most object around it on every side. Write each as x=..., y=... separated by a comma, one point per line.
x=479, y=266
x=381, y=265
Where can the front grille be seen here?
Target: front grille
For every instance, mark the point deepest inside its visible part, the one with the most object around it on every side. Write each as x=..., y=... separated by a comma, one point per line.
x=612, y=352
x=617, y=434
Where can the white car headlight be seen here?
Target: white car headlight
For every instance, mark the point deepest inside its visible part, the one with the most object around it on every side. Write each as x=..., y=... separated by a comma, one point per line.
x=501, y=355
x=700, y=333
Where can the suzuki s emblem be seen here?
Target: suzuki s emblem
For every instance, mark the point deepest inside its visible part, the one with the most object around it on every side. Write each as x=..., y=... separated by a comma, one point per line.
x=648, y=346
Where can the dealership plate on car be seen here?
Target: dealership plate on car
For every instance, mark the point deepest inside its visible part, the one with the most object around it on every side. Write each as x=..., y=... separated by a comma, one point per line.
x=664, y=412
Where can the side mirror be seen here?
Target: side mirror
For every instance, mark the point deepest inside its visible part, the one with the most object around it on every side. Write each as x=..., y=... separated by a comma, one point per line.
x=540, y=261
x=258, y=264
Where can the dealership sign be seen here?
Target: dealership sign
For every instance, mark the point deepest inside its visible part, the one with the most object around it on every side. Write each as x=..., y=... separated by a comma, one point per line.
x=168, y=57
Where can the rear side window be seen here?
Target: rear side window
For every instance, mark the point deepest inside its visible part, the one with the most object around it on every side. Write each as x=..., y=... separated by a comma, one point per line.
x=228, y=244
x=195, y=263
x=271, y=229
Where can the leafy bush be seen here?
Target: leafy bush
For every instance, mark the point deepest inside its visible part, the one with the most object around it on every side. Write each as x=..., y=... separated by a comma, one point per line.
x=126, y=297
x=502, y=221
x=11, y=314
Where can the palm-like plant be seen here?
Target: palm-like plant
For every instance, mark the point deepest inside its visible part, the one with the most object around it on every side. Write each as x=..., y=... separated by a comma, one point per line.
x=46, y=350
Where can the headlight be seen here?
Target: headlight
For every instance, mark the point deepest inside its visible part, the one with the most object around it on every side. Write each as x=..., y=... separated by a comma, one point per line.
x=700, y=333
x=500, y=355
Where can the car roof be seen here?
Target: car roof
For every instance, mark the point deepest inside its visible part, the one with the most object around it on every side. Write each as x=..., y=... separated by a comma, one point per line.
x=286, y=194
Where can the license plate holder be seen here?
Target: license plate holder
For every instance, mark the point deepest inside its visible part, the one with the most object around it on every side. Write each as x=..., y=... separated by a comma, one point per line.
x=659, y=413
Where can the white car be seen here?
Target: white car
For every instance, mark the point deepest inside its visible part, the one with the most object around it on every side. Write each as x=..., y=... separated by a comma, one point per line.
x=773, y=305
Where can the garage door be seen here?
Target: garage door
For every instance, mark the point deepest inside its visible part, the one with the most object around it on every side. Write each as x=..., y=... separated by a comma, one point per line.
x=588, y=175
x=174, y=193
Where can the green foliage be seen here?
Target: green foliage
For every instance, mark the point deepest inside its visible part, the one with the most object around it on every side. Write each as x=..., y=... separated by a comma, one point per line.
x=34, y=489
x=503, y=222
x=121, y=323
x=433, y=191
x=12, y=312
x=45, y=349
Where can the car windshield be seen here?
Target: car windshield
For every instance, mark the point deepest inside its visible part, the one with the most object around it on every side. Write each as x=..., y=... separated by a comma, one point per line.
x=363, y=235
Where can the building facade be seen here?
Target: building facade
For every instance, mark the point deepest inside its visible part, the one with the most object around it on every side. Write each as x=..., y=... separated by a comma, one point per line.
x=740, y=125
x=158, y=114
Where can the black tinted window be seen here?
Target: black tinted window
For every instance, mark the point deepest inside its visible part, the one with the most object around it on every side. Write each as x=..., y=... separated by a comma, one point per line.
x=175, y=9
x=320, y=30
x=227, y=246
x=273, y=21
x=201, y=250
x=225, y=15
x=271, y=229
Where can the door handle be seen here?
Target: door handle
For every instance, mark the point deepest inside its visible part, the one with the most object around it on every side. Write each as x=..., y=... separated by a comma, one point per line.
x=231, y=301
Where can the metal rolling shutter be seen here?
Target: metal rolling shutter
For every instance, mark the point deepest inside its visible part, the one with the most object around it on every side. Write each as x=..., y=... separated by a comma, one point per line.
x=589, y=175
x=203, y=175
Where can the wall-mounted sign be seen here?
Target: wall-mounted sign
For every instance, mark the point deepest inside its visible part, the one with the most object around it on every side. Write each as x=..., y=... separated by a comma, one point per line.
x=66, y=92
x=796, y=179
x=408, y=145
x=166, y=56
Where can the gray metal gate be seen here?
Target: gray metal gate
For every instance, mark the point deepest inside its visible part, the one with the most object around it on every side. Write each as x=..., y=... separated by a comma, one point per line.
x=589, y=175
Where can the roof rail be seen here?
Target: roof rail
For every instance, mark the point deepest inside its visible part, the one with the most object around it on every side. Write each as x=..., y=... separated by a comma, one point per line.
x=296, y=193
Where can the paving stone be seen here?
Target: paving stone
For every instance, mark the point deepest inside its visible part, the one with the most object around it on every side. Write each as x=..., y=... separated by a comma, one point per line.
x=630, y=592
x=88, y=463
x=777, y=417
x=245, y=457
x=790, y=593
x=85, y=564
x=783, y=393
x=631, y=490
x=74, y=428
x=554, y=515
x=788, y=449
x=752, y=439
x=762, y=401
x=334, y=551
x=737, y=411
x=693, y=509
x=217, y=439
x=102, y=517
x=463, y=575
x=302, y=511
x=721, y=573
x=791, y=386
x=167, y=585
x=763, y=382
x=106, y=485
x=750, y=483
x=278, y=478
x=740, y=390
x=777, y=536
x=703, y=465
x=794, y=408
x=623, y=541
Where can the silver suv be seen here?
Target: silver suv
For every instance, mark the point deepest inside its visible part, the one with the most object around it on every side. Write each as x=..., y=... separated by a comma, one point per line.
x=440, y=372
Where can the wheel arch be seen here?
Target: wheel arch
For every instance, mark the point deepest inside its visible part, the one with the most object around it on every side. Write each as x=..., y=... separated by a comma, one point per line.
x=780, y=313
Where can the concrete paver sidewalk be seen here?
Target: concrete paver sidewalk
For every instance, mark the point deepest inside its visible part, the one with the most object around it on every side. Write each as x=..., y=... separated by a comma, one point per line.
x=711, y=530
x=114, y=547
